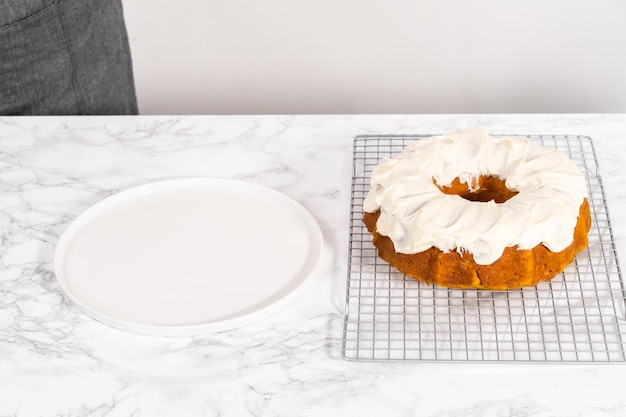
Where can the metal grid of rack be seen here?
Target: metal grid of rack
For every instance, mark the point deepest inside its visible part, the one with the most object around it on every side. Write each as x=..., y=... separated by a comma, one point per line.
x=579, y=316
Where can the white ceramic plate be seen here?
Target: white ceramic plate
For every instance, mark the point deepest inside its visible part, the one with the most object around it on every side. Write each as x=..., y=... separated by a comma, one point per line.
x=188, y=256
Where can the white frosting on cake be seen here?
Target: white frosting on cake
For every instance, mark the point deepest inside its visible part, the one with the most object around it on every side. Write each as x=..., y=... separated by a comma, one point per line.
x=417, y=215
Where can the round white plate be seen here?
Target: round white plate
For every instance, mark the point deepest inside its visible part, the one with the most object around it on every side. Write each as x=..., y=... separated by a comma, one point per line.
x=188, y=256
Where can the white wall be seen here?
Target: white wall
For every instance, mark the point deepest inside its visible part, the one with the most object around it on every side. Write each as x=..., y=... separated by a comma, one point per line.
x=378, y=56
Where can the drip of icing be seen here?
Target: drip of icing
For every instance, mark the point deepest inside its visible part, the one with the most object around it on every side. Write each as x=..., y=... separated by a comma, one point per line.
x=416, y=215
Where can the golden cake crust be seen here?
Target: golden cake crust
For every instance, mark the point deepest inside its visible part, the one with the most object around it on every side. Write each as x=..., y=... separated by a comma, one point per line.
x=514, y=269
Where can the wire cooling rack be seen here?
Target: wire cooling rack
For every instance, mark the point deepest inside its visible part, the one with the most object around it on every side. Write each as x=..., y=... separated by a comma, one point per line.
x=579, y=316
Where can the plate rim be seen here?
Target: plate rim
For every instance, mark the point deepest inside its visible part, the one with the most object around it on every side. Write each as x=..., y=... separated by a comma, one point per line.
x=313, y=233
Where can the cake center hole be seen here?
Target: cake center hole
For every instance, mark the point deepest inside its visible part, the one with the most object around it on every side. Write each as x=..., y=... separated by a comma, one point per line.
x=486, y=189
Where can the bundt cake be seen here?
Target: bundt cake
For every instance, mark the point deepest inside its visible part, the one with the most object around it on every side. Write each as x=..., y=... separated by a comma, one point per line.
x=469, y=210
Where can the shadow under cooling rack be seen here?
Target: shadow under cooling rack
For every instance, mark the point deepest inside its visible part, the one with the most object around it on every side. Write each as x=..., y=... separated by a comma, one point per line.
x=579, y=316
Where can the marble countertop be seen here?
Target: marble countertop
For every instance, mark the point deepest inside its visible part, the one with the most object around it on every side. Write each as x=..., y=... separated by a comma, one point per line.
x=56, y=361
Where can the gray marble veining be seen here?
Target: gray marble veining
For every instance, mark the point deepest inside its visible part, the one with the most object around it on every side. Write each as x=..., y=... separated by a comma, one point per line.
x=55, y=361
